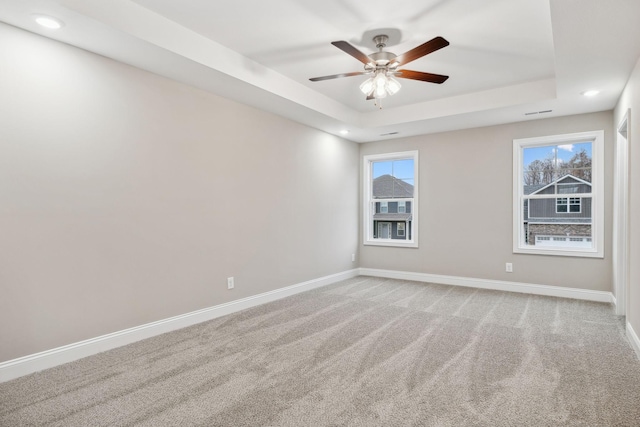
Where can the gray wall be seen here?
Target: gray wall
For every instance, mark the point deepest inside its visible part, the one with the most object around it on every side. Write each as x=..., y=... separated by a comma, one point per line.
x=126, y=197
x=465, y=228
x=630, y=99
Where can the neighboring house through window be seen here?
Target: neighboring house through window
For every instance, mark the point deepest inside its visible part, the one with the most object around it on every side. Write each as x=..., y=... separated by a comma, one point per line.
x=390, y=199
x=558, y=200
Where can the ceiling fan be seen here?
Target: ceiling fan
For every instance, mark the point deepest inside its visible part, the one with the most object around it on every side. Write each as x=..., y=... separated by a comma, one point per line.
x=382, y=67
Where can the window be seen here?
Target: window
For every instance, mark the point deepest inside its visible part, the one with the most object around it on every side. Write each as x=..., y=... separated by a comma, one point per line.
x=570, y=166
x=568, y=205
x=561, y=205
x=391, y=199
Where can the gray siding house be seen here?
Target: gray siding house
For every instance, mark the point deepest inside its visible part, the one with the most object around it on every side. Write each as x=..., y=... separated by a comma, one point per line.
x=392, y=218
x=560, y=221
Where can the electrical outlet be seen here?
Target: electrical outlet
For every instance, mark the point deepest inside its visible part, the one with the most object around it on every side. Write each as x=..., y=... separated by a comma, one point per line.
x=230, y=283
x=509, y=268
x=353, y=257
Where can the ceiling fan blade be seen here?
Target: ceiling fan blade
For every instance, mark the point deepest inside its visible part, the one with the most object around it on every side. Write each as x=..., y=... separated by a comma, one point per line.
x=335, y=76
x=422, y=50
x=348, y=48
x=419, y=75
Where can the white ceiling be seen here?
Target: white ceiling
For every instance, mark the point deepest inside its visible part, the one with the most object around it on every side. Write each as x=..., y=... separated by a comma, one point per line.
x=506, y=57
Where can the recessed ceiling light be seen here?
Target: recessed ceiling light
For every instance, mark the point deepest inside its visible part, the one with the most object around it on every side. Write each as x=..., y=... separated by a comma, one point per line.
x=49, y=22
x=344, y=132
x=590, y=92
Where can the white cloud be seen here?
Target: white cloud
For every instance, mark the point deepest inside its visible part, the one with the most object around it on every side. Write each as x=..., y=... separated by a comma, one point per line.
x=566, y=147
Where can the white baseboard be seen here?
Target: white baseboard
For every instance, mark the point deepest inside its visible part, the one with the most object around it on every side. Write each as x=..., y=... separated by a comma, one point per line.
x=633, y=339
x=498, y=285
x=614, y=301
x=47, y=359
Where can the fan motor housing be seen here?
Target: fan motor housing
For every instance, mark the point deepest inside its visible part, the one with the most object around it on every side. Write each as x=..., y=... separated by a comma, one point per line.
x=382, y=58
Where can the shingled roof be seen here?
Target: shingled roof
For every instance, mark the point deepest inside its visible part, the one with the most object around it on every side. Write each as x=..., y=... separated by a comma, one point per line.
x=528, y=189
x=390, y=187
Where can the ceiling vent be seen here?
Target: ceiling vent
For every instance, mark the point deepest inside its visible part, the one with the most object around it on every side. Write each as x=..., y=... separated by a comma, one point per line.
x=537, y=112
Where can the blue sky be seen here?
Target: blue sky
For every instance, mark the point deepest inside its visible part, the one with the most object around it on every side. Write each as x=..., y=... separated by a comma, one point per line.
x=564, y=152
x=401, y=169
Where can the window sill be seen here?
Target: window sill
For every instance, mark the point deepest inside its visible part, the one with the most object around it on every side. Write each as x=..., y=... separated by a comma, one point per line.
x=391, y=243
x=592, y=253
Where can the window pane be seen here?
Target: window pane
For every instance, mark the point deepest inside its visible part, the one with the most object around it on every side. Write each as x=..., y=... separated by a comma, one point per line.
x=561, y=204
x=393, y=179
x=554, y=165
x=403, y=169
x=382, y=168
x=558, y=222
x=538, y=167
x=575, y=160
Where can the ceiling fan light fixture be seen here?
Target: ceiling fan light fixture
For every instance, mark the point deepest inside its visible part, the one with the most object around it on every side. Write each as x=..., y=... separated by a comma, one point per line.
x=367, y=86
x=380, y=92
x=380, y=79
x=380, y=85
x=393, y=86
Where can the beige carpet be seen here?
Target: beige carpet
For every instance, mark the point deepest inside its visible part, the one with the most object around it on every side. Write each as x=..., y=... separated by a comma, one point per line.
x=363, y=352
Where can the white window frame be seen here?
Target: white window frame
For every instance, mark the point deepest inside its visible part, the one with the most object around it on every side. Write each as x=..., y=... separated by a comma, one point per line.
x=384, y=207
x=402, y=226
x=402, y=204
x=597, y=193
x=369, y=203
